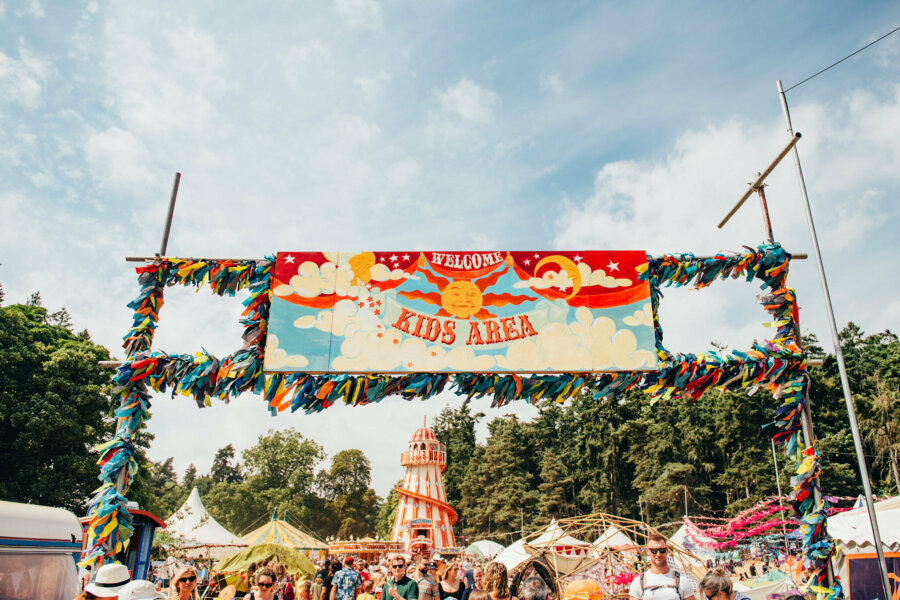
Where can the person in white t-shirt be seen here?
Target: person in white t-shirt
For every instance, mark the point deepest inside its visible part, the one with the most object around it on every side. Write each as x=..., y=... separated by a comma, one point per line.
x=660, y=582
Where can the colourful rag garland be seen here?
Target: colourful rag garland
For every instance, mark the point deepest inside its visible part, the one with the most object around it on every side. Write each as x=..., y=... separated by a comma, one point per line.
x=200, y=376
x=777, y=366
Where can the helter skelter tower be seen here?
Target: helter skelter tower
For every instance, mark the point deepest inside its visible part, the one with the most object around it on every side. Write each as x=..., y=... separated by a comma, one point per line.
x=424, y=522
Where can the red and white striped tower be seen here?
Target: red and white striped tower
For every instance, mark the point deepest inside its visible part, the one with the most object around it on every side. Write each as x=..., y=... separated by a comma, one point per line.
x=424, y=522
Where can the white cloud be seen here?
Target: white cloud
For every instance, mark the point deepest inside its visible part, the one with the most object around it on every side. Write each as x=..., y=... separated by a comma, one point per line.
x=372, y=87
x=118, y=159
x=278, y=358
x=363, y=14
x=551, y=82
x=468, y=102
x=643, y=316
x=355, y=130
x=22, y=80
x=31, y=8
x=307, y=63
x=165, y=79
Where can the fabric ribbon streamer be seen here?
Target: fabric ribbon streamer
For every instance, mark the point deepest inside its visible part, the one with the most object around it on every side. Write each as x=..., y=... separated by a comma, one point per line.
x=777, y=366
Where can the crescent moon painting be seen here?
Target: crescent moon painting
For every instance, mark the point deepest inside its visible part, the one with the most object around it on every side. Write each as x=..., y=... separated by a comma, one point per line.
x=566, y=265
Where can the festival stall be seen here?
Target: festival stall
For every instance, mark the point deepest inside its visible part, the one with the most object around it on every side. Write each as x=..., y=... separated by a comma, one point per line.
x=281, y=532
x=197, y=534
x=856, y=559
x=368, y=549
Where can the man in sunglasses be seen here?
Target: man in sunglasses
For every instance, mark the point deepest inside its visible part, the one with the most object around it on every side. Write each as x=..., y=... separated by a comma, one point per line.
x=398, y=586
x=660, y=582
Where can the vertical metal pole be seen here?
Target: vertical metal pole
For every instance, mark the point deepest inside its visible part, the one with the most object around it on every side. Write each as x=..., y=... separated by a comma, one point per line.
x=641, y=508
x=685, y=502
x=780, y=504
x=165, y=239
x=839, y=355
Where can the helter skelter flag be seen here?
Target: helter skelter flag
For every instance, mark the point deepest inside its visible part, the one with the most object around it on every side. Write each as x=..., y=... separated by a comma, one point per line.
x=498, y=312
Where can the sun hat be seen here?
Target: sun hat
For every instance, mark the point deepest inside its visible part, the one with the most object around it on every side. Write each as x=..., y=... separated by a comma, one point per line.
x=140, y=590
x=109, y=580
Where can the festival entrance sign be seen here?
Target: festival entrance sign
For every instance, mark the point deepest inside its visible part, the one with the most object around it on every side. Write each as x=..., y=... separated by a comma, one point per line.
x=429, y=312
x=425, y=295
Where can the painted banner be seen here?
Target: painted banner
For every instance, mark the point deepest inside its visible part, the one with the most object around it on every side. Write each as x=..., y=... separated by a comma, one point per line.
x=497, y=312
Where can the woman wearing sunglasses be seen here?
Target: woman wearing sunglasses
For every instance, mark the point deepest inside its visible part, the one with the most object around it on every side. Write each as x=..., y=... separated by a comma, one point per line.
x=265, y=587
x=183, y=585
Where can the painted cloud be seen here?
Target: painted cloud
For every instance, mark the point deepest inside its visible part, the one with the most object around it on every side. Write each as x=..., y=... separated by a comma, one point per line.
x=334, y=277
x=644, y=316
x=278, y=358
x=563, y=281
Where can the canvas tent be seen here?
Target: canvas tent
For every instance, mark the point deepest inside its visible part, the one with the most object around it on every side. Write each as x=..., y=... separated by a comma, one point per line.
x=613, y=538
x=565, y=553
x=197, y=534
x=294, y=561
x=281, y=532
x=513, y=555
x=773, y=582
x=484, y=548
x=852, y=532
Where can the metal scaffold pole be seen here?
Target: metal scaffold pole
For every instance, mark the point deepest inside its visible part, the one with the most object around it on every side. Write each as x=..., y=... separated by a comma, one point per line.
x=839, y=356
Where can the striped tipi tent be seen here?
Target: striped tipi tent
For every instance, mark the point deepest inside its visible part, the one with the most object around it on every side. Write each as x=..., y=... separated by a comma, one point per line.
x=276, y=531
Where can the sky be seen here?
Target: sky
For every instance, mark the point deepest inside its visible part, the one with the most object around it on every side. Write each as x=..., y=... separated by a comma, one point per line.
x=447, y=125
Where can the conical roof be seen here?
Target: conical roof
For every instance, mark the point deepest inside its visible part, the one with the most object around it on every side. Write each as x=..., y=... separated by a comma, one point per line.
x=281, y=532
x=192, y=525
x=293, y=560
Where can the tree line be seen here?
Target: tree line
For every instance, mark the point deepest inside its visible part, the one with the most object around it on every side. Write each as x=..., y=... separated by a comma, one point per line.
x=633, y=456
x=281, y=472
x=646, y=459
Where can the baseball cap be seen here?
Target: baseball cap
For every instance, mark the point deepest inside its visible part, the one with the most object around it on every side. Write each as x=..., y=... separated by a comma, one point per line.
x=431, y=565
x=348, y=560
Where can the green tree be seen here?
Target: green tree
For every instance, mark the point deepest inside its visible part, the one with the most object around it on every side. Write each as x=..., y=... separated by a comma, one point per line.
x=165, y=495
x=387, y=513
x=223, y=471
x=351, y=502
x=283, y=461
x=455, y=428
x=54, y=408
x=190, y=476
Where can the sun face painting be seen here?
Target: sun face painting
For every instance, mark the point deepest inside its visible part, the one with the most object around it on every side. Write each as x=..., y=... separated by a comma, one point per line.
x=483, y=312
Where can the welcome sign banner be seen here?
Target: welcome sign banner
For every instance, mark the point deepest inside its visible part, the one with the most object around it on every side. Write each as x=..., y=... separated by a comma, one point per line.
x=479, y=312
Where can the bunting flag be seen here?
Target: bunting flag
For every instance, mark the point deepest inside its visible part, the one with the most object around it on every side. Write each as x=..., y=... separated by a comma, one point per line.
x=777, y=366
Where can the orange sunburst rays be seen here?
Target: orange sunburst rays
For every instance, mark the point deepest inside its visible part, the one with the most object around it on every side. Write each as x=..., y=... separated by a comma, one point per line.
x=464, y=298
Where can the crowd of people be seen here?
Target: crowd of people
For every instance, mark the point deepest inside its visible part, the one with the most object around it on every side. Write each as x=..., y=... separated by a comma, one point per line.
x=419, y=578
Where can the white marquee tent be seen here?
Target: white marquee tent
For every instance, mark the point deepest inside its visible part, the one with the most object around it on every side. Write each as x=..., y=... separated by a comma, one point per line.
x=853, y=532
x=613, y=538
x=485, y=548
x=514, y=555
x=198, y=534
